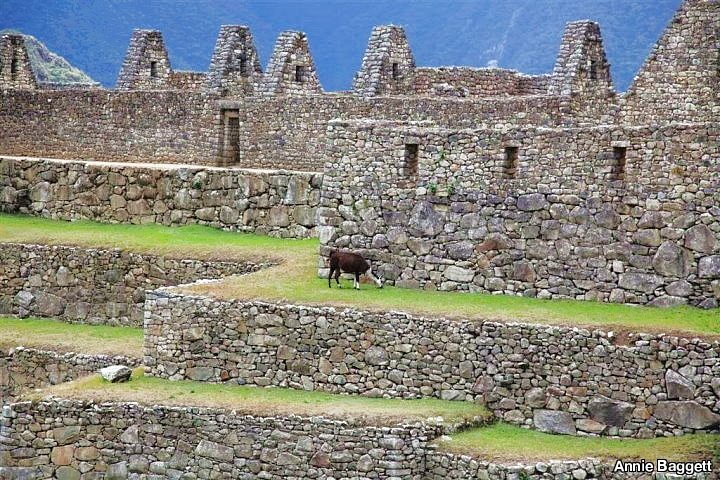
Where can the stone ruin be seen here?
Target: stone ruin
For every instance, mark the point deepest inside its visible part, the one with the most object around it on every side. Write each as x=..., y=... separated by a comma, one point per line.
x=15, y=69
x=451, y=178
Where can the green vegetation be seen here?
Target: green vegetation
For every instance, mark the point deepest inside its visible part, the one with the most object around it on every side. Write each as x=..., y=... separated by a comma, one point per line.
x=267, y=401
x=502, y=442
x=69, y=337
x=295, y=280
x=49, y=66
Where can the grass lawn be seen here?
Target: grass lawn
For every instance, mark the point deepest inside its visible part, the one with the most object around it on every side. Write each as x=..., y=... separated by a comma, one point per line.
x=503, y=442
x=295, y=279
x=70, y=337
x=267, y=401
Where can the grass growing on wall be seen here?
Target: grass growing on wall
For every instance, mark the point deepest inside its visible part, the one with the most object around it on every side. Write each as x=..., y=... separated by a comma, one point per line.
x=503, y=442
x=295, y=279
x=43, y=333
x=268, y=401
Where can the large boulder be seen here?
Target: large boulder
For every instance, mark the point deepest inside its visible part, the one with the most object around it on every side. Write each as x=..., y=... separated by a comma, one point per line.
x=116, y=373
x=531, y=202
x=687, y=414
x=709, y=267
x=641, y=282
x=553, y=421
x=425, y=221
x=610, y=412
x=678, y=387
x=672, y=260
x=701, y=239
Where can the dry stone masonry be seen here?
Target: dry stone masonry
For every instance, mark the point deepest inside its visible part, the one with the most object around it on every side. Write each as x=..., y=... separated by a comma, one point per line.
x=64, y=439
x=278, y=203
x=557, y=379
x=561, y=221
x=23, y=369
x=94, y=286
x=15, y=69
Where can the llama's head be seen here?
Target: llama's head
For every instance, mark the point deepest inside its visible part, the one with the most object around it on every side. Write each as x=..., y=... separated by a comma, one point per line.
x=379, y=281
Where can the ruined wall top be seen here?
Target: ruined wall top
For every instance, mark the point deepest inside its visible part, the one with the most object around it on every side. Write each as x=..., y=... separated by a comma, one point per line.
x=146, y=65
x=680, y=81
x=15, y=68
x=387, y=64
x=291, y=69
x=235, y=66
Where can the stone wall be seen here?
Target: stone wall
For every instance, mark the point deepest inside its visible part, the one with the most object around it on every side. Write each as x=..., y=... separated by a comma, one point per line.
x=15, y=69
x=440, y=466
x=24, y=369
x=475, y=82
x=291, y=132
x=557, y=379
x=235, y=65
x=388, y=64
x=277, y=203
x=146, y=65
x=137, y=126
x=94, y=286
x=286, y=132
x=189, y=81
x=680, y=80
x=291, y=70
x=607, y=213
x=124, y=441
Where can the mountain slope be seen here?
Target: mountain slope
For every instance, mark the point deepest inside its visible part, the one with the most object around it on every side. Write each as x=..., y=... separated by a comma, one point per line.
x=49, y=66
x=519, y=34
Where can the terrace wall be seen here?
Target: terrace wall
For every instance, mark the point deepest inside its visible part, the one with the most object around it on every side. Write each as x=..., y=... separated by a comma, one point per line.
x=566, y=219
x=277, y=203
x=123, y=441
x=23, y=369
x=94, y=286
x=557, y=379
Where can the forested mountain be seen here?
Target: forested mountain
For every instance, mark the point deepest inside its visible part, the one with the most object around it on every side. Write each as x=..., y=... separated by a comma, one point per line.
x=518, y=34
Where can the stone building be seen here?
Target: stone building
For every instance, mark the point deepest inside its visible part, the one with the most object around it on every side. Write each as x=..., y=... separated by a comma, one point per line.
x=545, y=185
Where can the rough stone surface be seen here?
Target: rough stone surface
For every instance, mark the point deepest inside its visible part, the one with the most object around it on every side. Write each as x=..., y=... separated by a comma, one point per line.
x=588, y=380
x=92, y=285
x=23, y=369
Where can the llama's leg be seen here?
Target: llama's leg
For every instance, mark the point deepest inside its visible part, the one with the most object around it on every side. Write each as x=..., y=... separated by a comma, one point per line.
x=332, y=270
x=337, y=277
x=357, y=280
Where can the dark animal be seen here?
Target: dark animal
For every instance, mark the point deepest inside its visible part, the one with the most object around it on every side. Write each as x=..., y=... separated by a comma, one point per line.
x=343, y=262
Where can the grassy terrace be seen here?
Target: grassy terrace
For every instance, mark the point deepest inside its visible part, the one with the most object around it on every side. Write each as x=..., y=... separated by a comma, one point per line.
x=295, y=280
x=60, y=336
x=506, y=443
x=267, y=401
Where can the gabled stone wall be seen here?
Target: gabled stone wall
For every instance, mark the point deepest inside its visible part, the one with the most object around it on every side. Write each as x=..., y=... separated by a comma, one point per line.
x=15, y=69
x=146, y=65
x=680, y=81
x=235, y=66
x=291, y=70
x=388, y=64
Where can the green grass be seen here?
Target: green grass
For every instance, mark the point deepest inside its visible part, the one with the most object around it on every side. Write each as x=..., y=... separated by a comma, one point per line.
x=57, y=335
x=267, y=401
x=295, y=280
x=502, y=442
